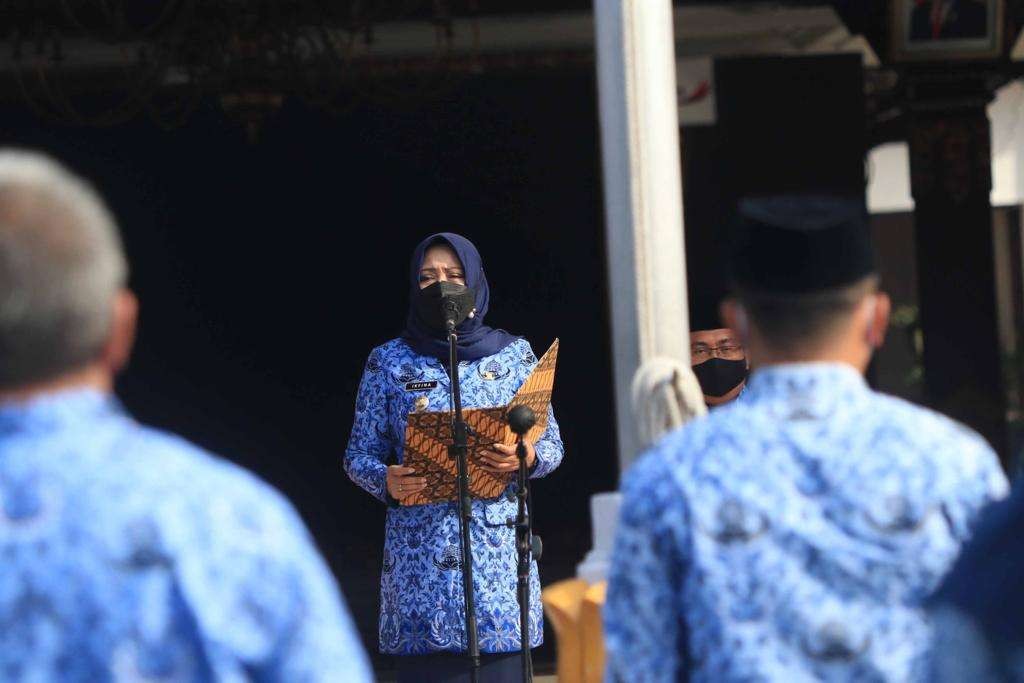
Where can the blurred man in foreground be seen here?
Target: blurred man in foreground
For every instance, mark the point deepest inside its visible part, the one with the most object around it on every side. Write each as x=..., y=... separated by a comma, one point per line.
x=793, y=535
x=128, y=554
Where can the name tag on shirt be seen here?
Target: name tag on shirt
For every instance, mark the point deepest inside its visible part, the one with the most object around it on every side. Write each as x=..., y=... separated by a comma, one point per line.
x=420, y=386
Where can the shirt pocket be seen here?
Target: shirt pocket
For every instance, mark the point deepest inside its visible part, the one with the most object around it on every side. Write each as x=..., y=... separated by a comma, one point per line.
x=418, y=389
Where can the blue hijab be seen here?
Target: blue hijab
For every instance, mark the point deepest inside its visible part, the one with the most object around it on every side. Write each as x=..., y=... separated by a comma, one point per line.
x=476, y=340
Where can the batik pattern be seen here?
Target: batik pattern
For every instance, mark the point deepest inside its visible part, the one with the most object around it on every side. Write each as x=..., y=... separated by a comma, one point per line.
x=421, y=583
x=130, y=555
x=793, y=535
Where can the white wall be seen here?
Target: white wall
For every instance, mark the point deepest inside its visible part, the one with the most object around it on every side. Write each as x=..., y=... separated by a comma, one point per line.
x=889, y=164
x=889, y=179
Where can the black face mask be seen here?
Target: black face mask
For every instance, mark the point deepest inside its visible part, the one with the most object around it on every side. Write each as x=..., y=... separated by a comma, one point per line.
x=443, y=300
x=718, y=377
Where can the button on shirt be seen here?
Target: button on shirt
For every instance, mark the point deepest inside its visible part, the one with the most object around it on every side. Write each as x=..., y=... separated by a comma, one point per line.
x=129, y=554
x=793, y=535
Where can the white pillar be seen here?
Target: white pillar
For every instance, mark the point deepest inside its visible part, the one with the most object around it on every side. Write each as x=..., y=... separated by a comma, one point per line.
x=643, y=194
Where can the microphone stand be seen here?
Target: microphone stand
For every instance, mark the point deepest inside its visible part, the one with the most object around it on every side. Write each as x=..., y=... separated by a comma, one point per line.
x=459, y=452
x=521, y=418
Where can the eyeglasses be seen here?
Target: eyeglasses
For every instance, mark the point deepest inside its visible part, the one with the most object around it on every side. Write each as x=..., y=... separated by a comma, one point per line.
x=729, y=351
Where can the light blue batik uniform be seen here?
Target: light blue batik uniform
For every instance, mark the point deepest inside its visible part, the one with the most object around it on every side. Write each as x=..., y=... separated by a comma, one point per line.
x=793, y=536
x=421, y=607
x=127, y=554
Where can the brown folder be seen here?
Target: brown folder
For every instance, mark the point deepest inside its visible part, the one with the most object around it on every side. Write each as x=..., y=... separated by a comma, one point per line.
x=428, y=435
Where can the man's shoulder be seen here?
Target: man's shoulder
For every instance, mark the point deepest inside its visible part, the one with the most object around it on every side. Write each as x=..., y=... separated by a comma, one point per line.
x=176, y=467
x=961, y=462
x=649, y=488
x=671, y=456
x=920, y=424
x=721, y=438
x=244, y=563
x=728, y=424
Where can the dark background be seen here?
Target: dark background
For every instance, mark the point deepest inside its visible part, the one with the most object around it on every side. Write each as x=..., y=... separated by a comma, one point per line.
x=267, y=272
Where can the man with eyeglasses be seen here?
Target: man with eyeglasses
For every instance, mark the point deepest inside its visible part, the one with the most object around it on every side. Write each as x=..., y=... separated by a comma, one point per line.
x=719, y=361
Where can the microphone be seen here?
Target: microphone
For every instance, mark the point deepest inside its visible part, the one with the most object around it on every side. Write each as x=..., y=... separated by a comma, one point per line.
x=450, y=313
x=521, y=418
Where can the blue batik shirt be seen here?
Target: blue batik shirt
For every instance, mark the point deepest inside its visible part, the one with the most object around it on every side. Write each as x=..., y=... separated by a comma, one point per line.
x=127, y=554
x=421, y=604
x=978, y=612
x=793, y=535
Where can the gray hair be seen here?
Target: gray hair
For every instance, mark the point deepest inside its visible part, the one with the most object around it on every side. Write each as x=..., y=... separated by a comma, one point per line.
x=61, y=267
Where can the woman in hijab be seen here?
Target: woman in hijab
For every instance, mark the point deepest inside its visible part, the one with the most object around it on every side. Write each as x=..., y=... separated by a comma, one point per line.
x=422, y=609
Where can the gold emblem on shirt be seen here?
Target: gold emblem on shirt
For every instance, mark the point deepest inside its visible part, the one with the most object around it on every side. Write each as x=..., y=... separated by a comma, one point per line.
x=421, y=403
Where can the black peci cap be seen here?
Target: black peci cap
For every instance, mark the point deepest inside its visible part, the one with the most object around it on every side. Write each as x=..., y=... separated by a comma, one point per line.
x=797, y=244
x=704, y=316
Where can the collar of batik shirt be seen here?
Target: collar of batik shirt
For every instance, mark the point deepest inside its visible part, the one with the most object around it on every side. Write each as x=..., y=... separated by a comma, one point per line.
x=810, y=390
x=53, y=411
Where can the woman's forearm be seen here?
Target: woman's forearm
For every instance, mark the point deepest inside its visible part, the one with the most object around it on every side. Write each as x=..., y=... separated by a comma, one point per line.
x=549, y=449
x=368, y=472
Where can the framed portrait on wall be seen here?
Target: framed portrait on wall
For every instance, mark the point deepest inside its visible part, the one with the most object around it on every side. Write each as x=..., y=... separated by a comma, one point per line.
x=946, y=29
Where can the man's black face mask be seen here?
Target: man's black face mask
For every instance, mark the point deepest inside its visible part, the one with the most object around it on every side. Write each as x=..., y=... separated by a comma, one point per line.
x=718, y=376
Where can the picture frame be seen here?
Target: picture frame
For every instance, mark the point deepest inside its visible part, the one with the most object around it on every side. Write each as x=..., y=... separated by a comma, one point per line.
x=943, y=30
